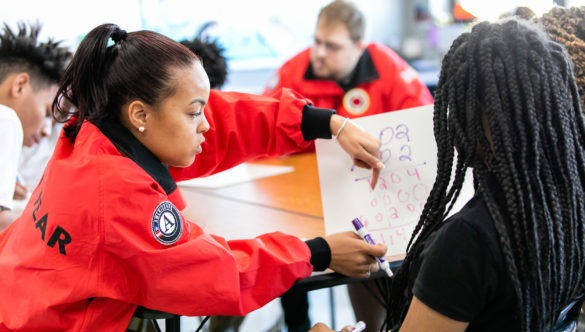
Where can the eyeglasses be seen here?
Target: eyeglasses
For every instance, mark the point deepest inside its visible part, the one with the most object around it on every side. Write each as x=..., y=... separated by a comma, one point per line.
x=329, y=46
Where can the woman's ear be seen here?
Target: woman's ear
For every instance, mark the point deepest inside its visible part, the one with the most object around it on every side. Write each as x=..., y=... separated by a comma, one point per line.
x=137, y=116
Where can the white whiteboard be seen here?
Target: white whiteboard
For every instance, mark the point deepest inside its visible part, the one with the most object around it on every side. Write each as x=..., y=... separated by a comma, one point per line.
x=391, y=210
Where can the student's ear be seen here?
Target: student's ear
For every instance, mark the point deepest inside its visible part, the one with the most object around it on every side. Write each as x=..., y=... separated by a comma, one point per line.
x=19, y=83
x=137, y=116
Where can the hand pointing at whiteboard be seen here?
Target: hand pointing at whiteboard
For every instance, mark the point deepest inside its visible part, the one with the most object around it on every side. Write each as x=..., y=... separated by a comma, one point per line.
x=363, y=148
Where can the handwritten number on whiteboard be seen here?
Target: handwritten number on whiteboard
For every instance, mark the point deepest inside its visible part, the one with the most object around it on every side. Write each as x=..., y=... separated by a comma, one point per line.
x=402, y=132
x=407, y=151
x=386, y=135
x=382, y=183
x=385, y=155
x=413, y=172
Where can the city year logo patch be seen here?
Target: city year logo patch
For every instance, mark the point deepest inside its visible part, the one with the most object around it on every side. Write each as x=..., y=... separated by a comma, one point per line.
x=167, y=224
x=356, y=101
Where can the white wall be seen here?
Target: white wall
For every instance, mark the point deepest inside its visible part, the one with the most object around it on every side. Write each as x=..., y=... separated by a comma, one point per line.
x=70, y=20
x=261, y=34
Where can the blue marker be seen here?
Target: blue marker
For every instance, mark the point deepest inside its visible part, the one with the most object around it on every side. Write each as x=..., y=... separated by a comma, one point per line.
x=363, y=232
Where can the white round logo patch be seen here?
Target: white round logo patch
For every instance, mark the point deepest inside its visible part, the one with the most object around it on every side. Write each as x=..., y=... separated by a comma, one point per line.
x=356, y=101
x=167, y=224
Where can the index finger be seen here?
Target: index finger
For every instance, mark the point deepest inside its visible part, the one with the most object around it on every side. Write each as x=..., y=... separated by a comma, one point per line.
x=375, y=177
x=370, y=159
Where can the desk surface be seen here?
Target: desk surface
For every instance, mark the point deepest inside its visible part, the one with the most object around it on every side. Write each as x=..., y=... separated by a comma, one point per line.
x=289, y=202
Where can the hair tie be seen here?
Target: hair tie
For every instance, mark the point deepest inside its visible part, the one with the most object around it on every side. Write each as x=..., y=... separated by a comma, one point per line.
x=118, y=35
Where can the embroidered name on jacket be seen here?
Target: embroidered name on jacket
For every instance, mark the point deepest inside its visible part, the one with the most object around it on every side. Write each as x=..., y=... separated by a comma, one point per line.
x=59, y=236
x=167, y=224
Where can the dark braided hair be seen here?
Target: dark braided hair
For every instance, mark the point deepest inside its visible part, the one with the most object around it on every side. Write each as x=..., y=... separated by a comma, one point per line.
x=507, y=106
x=21, y=51
x=212, y=57
x=567, y=26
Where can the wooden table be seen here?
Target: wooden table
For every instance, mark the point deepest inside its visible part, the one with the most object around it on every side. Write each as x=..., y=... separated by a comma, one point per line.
x=289, y=202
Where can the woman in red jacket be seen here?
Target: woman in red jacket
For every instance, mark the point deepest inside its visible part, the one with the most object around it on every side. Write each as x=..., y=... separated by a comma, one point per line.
x=103, y=232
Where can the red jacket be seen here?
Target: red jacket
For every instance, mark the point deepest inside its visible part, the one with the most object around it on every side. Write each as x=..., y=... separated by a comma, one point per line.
x=383, y=82
x=102, y=232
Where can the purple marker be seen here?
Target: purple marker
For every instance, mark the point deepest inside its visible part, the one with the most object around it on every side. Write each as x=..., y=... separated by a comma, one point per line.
x=364, y=234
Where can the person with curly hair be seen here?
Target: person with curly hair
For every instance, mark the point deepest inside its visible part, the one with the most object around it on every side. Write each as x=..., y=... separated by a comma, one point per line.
x=29, y=73
x=567, y=26
x=212, y=56
x=522, y=12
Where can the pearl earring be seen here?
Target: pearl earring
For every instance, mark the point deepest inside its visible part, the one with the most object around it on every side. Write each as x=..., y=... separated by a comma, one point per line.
x=141, y=129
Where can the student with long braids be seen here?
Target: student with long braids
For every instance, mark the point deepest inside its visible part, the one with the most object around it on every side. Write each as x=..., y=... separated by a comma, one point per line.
x=513, y=258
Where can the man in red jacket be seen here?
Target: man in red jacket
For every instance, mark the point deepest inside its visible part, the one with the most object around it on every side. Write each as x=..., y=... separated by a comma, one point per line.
x=343, y=72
